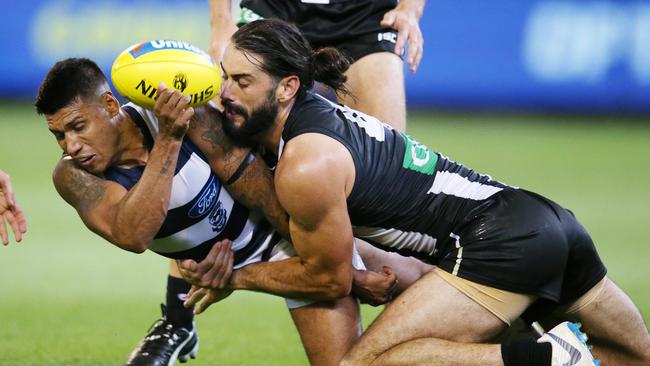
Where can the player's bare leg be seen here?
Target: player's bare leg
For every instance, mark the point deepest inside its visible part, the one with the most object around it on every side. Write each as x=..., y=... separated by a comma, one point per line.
x=430, y=323
x=328, y=330
x=615, y=328
x=377, y=84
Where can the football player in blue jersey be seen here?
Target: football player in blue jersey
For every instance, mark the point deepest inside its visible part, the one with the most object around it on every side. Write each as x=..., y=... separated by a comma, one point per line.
x=145, y=180
x=10, y=211
x=500, y=252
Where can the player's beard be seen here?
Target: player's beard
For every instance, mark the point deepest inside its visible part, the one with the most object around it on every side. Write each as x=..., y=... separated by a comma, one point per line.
x=259, y=120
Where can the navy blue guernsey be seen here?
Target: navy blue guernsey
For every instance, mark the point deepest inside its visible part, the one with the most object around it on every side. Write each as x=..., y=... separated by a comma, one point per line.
x=406, y=198
x=201, y=211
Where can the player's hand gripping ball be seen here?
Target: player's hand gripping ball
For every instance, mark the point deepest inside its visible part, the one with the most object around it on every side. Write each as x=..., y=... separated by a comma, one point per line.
x=138, y=70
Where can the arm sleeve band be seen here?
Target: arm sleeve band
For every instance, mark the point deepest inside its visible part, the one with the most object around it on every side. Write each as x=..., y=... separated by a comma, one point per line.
x=240, y=170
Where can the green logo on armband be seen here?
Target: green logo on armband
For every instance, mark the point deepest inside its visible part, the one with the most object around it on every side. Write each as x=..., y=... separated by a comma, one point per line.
x=247, y=16
x=418, y=157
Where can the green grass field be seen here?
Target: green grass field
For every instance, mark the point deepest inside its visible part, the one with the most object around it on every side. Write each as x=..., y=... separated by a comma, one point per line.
x=69, y=298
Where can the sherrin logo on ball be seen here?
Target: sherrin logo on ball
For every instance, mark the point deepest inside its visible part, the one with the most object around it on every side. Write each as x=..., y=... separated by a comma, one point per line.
x=138, y=70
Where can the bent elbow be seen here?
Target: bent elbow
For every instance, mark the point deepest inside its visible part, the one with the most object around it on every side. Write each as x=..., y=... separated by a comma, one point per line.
x=132, y=245
x=137, y=249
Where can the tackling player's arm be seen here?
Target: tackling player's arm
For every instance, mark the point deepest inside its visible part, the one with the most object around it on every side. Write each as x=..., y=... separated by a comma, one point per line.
x=130, y=219
x=313, y=188
x=248, y=177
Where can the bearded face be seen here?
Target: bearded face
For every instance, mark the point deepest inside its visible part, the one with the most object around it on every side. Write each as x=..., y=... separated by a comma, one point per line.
x=244, y=126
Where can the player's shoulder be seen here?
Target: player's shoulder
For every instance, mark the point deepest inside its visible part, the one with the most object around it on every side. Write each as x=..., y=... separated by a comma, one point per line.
x=313, y=158
x=69, y=179
x=66, y=170
x=63, y=167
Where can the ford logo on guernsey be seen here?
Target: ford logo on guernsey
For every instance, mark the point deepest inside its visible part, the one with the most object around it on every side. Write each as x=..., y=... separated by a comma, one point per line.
x=165, y=44
x=206, y=201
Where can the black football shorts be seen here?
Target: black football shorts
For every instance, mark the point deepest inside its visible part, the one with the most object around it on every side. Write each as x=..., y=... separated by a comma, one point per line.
x=522, y=242
x=351, y=26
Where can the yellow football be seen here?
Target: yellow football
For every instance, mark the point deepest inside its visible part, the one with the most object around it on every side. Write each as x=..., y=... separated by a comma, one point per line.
x=138, y=70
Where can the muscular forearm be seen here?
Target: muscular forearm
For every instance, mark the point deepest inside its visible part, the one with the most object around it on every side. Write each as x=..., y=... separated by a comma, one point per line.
x=289, y=278
x=143, y=210
x=253, y=187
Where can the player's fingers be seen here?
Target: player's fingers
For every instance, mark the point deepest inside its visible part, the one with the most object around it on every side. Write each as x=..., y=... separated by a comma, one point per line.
x=194, y=296
x=220, y=269
x=7, y=189
x=191, y=292
x=226, y=264
x=418, y=59
x=388, y=19
x=186, y=116
x=402, y=37
x=172, y=104
x=206, y=264
x=231, y=262
x=188, y=268
x=226, y=269
x=211, y=273
x=183, y=101
x=391, y=277
x=11, y=219
x=415, y=49
x=20, y=217
x=207, y=301
x=3, y=231
x=160, y=108
x=164, y=93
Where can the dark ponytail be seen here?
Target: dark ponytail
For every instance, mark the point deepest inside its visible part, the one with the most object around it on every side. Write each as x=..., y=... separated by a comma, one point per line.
x=329, y=67
x=285, y=51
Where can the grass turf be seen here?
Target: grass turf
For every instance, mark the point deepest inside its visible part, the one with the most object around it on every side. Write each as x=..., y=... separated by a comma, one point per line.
x=70, y=298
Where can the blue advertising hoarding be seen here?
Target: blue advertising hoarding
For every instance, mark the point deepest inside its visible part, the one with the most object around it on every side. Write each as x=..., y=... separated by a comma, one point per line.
x=570, y=55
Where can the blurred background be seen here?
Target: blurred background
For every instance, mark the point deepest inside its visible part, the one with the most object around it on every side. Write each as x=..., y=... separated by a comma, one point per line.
x=552, y=96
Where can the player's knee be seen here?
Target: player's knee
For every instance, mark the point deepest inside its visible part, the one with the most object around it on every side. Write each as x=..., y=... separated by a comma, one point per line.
x=357, y=356
x=351, y=361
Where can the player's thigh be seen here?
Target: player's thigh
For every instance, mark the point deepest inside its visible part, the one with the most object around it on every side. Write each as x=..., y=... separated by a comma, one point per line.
x=377, y=85
x=328, y=329
x=430, y=308
x=613, y=321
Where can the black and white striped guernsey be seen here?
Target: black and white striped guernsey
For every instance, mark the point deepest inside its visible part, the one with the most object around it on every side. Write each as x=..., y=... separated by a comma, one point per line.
x=201, y=211
x=406, y=198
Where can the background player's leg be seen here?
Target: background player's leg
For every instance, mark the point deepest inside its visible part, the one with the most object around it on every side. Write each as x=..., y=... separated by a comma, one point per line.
x=615, y=328
x=377, y=84
x=426, y=325
x=177, y=325
x=328, y=330
x=177, y=290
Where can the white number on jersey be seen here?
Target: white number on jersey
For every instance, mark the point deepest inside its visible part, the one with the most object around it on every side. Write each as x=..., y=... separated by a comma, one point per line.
x=371, y=125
